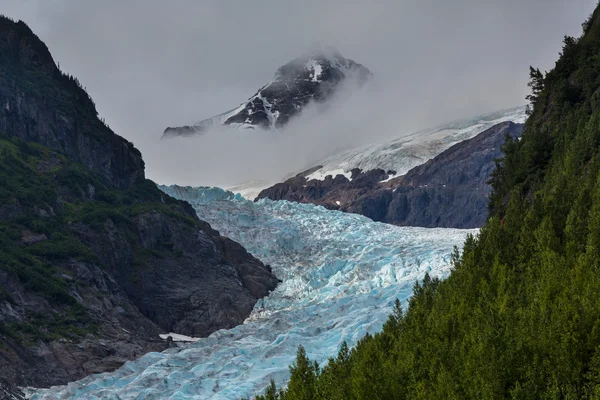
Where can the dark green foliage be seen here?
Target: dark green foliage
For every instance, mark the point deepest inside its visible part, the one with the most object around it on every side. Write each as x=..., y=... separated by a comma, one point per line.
x=72, y=325
x=49, y=195
x=519, y=317
x=62, y=247
x=304, y=376
x=536, y=83
x=5, y=295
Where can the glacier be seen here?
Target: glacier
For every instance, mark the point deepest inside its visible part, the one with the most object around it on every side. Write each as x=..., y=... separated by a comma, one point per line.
x=341, y=274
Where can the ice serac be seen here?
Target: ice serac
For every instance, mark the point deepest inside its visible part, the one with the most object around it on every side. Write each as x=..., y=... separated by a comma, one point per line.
x=341, y=274
x=450, y=190
x=313, y=77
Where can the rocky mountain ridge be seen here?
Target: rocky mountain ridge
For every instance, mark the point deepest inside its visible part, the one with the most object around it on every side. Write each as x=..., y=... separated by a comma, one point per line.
x=451, y=190
x=314, y=77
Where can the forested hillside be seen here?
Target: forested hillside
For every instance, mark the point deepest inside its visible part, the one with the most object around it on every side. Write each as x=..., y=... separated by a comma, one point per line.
x=520, y=315
x=95, y=261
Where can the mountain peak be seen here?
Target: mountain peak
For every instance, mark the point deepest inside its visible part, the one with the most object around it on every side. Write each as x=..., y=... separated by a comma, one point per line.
x=314, y=76
x=321, y=52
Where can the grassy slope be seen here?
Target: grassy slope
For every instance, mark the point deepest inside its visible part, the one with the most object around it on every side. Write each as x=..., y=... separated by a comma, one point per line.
x=520, y=315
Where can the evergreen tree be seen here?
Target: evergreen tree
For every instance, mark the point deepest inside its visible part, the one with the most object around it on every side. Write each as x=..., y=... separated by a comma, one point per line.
x=519, y=316
x=536, y=84
x=303, y=378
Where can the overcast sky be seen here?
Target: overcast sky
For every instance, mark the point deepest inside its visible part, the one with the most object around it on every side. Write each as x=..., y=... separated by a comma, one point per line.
x=149, y=64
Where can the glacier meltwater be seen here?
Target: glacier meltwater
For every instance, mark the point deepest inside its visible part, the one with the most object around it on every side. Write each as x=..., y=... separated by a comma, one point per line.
x=341, y=274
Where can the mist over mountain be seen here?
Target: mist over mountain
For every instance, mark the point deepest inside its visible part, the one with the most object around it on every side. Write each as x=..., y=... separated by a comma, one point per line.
x=112, y=286
x=315, y=77
x=164, y=64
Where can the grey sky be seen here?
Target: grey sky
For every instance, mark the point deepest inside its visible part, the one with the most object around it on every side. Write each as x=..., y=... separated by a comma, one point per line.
x=149, y=64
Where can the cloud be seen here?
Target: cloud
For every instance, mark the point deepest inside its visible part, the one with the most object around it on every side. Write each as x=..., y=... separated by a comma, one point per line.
x=228, y=156
x=150, y=64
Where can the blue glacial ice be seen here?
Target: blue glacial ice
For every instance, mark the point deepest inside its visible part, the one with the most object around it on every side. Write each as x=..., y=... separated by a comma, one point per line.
x=341, y=274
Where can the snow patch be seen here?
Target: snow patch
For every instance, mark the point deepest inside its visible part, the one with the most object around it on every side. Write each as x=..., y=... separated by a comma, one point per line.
x=316, y=68
x=321, y=174
x=389, y=178
x=250, y=190
x=178, y=337
x=267, y=108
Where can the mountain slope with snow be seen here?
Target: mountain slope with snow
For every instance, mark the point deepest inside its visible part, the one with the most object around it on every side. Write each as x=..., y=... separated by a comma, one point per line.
x=341, y=274
x=315, y=76
x=449, y=191
x=408, y=151
x=396, y=156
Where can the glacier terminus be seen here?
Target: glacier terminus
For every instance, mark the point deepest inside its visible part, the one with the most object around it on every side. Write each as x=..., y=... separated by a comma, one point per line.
x=341, y=274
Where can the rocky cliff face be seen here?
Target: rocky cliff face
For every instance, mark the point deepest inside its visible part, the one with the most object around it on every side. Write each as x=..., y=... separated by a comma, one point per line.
x=316, y=77
x=95, y=261
x=39, y=103
x=450, y=190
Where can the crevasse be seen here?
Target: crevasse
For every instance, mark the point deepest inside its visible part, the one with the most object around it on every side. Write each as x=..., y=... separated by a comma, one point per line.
x=341, y=274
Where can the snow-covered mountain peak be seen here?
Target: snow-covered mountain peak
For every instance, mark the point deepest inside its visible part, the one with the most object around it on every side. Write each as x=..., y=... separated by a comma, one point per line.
x=315, y=76
x=317, y=60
